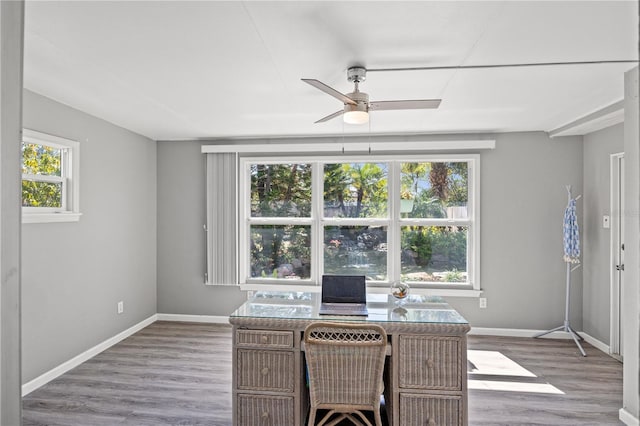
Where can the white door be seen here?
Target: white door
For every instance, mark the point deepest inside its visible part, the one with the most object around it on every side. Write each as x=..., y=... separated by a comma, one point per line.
x=617, y=253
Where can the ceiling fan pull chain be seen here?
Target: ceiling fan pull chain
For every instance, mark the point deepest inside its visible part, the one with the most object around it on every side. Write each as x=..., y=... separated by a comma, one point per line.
x=342, y=137
x=369, y=136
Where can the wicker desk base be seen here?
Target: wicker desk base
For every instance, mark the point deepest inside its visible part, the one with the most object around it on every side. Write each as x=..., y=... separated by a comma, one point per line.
x=425, y=374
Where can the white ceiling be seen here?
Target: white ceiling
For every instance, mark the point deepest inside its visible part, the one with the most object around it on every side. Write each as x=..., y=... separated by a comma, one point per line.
x=211, y=69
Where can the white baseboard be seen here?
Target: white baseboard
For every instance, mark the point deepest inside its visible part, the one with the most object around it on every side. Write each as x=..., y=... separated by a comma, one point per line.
x=596, y=343
x=215, y=319
x=84, y=356
x=515, y=332
x=511, y=332
x=627, y=418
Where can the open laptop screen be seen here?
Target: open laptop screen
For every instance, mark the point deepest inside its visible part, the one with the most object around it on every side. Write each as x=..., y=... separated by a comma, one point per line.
x=344, y=289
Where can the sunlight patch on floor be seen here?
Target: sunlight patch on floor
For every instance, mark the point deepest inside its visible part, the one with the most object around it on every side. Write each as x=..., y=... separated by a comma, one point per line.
x=514, y=386
x=484, y=366
x=494, y=363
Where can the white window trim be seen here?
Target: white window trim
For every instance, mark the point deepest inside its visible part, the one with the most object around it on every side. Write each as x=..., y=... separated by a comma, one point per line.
x=472, y=289
x=368, y=147
x=70, y=211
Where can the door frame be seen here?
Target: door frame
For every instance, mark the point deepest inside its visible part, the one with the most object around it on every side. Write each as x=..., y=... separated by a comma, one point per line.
x=616, y=209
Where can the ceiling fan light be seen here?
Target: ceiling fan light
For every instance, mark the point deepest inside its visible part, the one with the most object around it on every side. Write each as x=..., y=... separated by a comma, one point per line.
x=355, y=114
x=356, y=117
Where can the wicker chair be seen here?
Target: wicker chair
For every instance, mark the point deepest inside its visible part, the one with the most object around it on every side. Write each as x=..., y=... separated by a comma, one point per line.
x=345, y=364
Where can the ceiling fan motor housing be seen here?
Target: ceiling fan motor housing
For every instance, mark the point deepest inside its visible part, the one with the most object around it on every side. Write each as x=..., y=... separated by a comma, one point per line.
x=357, y=75
x=358, y=113
x=359, y=97
x=362, y=102
x=360, y=107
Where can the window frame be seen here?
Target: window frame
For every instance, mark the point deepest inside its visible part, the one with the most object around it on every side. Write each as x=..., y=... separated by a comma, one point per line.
x=69, y=179
x=393, y=221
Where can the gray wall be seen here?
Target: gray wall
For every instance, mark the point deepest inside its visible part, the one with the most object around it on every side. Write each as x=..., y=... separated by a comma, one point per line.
x=181, y=238
x=11, y=37
x=75, y=273
x=523, y=198
x=598, y=146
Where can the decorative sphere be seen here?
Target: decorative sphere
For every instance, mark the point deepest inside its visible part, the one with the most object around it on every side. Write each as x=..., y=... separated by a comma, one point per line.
x=399, y=290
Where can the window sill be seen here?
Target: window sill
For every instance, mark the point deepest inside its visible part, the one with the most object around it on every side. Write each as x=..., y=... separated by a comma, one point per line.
x=312, y=288
x=309, y=288
x=50, y=217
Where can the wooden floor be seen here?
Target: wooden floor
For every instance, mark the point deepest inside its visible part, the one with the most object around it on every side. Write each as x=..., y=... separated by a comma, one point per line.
x=180, y=374
x=591, y=386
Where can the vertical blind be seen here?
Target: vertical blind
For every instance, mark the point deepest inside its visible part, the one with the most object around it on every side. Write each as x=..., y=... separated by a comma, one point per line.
x=222, y=218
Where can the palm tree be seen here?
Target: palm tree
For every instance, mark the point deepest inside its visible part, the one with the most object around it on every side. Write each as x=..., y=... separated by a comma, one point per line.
x=439, y=179
x=369, y=181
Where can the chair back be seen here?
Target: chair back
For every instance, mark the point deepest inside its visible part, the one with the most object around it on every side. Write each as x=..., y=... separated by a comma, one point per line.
x=345, y=362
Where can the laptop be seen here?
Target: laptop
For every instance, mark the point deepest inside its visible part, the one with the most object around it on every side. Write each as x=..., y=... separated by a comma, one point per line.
x=344, y=295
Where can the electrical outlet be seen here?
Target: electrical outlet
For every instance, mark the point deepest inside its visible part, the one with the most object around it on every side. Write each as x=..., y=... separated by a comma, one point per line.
x=120, y=307
x=483, y=302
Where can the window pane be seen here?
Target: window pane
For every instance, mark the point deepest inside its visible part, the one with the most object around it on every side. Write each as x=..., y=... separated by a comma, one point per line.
x=41, y=194
x=355, y=190
x=434, y=253
x=280, y=190
x=41, y=160
x=434, y=190
x=280, y=251
x=356, y=250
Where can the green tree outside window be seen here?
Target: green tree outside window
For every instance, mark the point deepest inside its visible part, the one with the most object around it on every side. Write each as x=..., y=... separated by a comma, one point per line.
x=41, y=160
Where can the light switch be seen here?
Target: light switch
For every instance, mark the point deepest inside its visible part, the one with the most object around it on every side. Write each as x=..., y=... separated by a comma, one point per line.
x=606, y=224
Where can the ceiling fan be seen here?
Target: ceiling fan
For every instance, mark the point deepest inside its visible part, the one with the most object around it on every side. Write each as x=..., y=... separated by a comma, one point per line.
x=357, y=105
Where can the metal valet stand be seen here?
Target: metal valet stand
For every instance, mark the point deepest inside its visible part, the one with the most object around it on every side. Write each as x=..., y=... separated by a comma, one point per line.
x=571, y=256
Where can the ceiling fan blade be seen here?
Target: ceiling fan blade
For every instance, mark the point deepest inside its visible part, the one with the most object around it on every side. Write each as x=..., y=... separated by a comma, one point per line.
x=330, y=116
x=414, y=104
x=329, y=91
x=529, y=64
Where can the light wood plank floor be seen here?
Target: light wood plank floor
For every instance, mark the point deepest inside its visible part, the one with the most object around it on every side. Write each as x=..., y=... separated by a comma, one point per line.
x=180, y=374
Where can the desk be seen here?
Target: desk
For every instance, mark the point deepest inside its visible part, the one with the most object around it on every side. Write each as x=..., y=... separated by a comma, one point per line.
x=425, y=372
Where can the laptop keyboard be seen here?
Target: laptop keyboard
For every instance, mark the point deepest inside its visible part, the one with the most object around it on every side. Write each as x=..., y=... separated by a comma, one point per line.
x=343, y=307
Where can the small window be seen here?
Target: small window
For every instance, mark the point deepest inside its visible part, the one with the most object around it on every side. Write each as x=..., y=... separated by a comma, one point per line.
x=49, y=178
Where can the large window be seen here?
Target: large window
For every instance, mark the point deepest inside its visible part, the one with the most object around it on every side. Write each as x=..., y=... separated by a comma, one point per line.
x=49, y=178
x=389, y=218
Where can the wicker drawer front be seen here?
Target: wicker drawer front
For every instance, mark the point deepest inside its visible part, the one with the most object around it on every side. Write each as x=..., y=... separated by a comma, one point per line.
x=265, y=370
x=265, y=410
x=430, y=362
x=264, y=339
x=430, y=410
